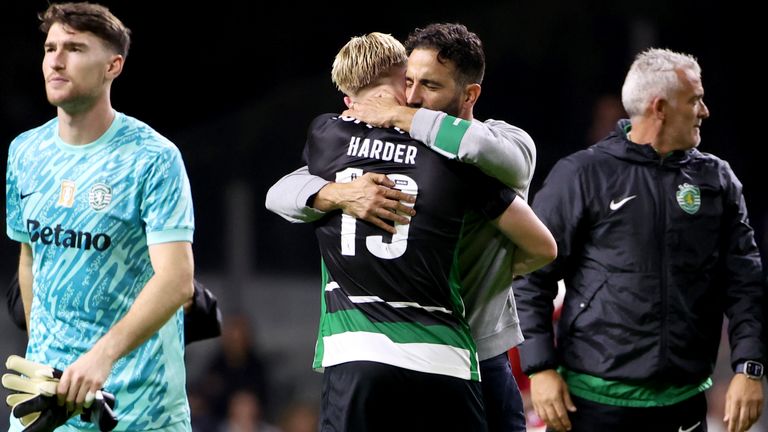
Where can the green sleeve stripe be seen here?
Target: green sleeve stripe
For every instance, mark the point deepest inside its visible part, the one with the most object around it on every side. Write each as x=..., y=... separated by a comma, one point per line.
x=450, y=134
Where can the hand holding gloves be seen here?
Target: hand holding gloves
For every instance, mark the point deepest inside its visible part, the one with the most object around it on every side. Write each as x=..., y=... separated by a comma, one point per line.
x=35, y=404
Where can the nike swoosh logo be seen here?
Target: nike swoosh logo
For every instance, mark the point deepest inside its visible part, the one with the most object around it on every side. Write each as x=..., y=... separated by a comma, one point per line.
x=680, y=429
x=23, y=195
x=617, y=205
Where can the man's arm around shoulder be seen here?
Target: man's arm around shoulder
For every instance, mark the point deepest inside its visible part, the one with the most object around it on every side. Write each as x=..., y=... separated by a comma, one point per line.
x=499, y=149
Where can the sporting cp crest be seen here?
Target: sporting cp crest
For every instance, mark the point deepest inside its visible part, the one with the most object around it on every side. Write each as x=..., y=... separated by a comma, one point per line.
x=100, y=196
x=689, y=198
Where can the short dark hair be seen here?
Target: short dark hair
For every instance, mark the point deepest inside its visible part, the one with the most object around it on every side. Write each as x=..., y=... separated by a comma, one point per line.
x=89, y=17
x=455, y=43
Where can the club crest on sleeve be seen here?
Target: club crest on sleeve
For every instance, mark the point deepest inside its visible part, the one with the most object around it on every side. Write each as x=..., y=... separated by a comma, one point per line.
x=99, y=196
x=689, y=198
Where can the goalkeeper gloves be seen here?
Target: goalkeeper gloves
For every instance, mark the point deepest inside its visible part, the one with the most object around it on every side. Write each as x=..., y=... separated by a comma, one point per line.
x=35, y=403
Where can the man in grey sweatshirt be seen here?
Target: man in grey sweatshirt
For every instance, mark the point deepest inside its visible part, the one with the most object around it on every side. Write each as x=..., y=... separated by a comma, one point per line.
x=445, y=61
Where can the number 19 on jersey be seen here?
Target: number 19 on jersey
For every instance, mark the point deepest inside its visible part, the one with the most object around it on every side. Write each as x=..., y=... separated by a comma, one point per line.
x=375, y=243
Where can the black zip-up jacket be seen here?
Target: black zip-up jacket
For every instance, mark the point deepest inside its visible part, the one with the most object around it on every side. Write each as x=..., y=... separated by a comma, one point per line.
x=654, y=252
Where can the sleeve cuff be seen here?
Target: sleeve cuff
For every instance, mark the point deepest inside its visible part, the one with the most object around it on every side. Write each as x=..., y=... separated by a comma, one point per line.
x=307, y=195
x=171, y=235
x=537, y=354
x=19, y=236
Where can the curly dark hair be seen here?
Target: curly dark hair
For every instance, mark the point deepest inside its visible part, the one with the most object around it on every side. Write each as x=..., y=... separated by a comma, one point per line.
x=454, y=43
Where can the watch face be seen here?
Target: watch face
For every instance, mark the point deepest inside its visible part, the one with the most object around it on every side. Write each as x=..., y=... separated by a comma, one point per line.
x=752, y=368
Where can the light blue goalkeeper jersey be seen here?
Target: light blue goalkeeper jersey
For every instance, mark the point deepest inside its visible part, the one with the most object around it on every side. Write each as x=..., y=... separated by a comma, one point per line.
x=89, y=213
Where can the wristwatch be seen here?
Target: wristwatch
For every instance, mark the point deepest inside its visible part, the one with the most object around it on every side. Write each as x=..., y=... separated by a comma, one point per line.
x=751, y=369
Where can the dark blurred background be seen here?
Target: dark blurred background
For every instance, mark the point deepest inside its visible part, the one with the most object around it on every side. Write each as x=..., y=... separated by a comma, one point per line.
x=235, y=84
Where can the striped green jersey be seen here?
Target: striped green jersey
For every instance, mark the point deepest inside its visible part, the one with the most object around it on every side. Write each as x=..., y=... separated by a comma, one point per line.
x=89, y=213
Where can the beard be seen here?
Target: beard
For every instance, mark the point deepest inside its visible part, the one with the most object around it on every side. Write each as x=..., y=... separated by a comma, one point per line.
x=453, y=107
x=71, y=102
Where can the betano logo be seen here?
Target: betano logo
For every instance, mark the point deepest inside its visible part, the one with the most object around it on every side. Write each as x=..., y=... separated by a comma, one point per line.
x=66, y=237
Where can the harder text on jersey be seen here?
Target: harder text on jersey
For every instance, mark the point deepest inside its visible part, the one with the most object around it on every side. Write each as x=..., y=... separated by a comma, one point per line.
x=382, y=150
x=66, y=237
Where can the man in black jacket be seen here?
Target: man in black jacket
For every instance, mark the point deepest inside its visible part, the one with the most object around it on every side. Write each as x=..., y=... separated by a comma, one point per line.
x=655, y=248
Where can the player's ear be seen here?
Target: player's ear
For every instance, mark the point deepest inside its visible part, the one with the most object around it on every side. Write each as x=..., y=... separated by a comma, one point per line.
x=115, y=66
x=471, y=93
x=659, y=107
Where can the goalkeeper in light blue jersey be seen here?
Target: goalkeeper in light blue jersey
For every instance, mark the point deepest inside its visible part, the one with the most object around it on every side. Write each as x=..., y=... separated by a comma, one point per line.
x=101, y=205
